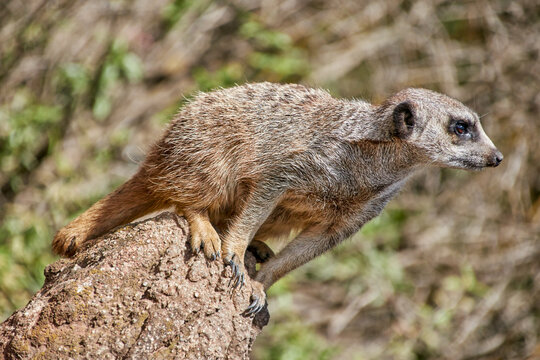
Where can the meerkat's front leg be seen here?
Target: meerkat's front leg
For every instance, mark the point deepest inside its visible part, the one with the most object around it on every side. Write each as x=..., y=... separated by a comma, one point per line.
x=309, y=244
x=259, y=205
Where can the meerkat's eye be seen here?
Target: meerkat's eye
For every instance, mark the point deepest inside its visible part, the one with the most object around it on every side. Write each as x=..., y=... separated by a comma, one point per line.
x=461, y=127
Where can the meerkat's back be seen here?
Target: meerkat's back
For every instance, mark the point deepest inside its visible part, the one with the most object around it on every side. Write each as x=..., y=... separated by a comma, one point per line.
x=225, y=137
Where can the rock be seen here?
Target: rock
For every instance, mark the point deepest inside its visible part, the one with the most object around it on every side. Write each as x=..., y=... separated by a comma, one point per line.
x=138, y=293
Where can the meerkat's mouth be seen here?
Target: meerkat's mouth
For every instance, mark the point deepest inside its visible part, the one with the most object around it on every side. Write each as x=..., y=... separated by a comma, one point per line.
x=466, y=164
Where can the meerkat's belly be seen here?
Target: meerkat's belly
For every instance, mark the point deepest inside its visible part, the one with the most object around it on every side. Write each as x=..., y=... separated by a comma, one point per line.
x=301, y=211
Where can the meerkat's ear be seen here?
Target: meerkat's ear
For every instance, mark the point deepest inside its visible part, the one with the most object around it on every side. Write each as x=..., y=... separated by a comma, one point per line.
x=404, y=119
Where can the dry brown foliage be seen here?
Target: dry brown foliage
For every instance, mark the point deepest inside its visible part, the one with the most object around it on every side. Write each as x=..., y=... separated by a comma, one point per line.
x=470, y=244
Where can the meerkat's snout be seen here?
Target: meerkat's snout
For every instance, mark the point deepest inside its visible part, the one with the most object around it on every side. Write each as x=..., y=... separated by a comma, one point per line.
x=495, y=159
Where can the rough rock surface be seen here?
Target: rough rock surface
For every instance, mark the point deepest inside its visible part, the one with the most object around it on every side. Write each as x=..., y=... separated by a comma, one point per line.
x=141, y=293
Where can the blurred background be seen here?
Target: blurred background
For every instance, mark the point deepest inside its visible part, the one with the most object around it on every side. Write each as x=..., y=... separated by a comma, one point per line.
x=451, y=269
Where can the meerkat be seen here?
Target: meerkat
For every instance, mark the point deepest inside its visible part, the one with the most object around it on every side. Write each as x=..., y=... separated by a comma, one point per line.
x=264, y=160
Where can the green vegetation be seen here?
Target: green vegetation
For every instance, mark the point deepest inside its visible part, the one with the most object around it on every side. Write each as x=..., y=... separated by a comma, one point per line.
x=274, y=57
x=26, y=128
x=293, y=339
x=30, y=132
x=119, y=64
x=227, y=76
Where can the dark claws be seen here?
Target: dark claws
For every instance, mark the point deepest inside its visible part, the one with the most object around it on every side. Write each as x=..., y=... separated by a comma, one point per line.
x=234, y=268
x=254, y=307
x=237, y=279
x=72, y=246
x=257, y=309
x=239, y=282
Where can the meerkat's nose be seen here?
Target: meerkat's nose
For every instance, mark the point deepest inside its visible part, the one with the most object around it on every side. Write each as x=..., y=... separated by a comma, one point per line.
x=496, y=159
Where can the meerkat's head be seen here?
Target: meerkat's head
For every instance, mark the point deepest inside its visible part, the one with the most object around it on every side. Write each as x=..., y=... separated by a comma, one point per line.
x=447, y=133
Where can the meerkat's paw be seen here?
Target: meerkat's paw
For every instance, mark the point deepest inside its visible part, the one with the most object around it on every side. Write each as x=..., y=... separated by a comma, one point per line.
x=203, y=235
x=66, y=242
x=237, y=265
x=258, y=299
x=207, y=239
x=261, y=251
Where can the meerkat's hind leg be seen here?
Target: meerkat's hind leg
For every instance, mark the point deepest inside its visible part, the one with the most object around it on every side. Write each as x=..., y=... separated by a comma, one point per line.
x=203, y=234
x=261, y=251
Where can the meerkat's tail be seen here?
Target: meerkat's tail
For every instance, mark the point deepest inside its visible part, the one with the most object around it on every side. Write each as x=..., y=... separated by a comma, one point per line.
x=127, y=203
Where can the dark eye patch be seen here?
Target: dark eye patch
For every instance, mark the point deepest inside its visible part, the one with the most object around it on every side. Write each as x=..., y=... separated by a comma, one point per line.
x=463, y=128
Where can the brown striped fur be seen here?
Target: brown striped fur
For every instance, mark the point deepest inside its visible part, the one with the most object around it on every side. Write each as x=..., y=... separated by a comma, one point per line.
x=260, y=161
